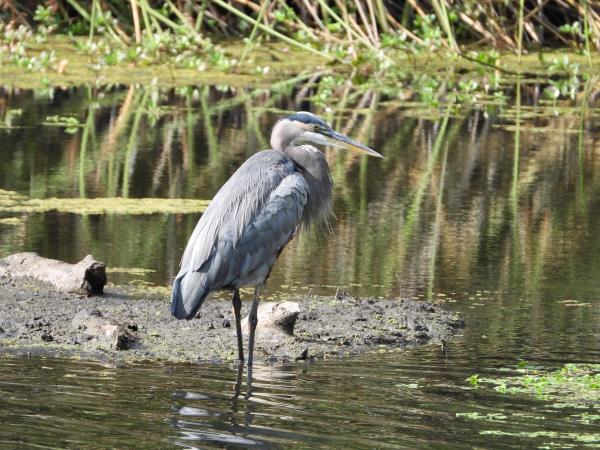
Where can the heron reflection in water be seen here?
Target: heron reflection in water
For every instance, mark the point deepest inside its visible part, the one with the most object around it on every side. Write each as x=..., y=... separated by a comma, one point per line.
x=255, y=214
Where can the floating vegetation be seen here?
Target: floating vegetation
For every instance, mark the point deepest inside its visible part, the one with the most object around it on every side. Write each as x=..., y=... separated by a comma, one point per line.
x=573, y=387
x=70, y=124
x=13, y=202
x=490, y=417
x=11, y=221
x=574, y=303
x=9, y=117
x=473, y=380
x=588, y=438
x=10, y=196
x=146, y=289
x=574, y=384
x=408, y=385
x=130, y=270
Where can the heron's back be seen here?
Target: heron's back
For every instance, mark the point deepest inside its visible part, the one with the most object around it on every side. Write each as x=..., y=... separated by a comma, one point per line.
x=243, y=230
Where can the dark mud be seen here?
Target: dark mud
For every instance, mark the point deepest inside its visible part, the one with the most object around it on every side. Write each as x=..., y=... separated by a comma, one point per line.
x=34, y=319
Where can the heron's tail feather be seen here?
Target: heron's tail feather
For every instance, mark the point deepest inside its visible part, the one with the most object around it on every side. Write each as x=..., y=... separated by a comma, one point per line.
x=189, y=292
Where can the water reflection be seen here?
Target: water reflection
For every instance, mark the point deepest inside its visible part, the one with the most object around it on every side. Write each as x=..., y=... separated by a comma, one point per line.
x=197, y=425
x=448, y=203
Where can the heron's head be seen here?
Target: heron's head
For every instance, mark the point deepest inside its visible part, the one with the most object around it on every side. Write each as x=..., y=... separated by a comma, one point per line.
x=306, y=128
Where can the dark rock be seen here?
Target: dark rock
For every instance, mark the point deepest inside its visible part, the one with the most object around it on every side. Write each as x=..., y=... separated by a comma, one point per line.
x=226, y=323
x=303, y=356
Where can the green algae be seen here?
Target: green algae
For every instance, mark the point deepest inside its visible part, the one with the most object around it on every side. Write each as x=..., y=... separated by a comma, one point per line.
x=75, y=67
x=427, y=75
x=573, y=383
x=130, y=270
x=573, y=387
x=139, y=288
x=12, y=202
x=491, y=417
x=11, y=221
x=583, y=438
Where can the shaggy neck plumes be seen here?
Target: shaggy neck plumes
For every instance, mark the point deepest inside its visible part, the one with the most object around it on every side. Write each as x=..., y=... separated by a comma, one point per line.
x=315, y=170
x=311, y=162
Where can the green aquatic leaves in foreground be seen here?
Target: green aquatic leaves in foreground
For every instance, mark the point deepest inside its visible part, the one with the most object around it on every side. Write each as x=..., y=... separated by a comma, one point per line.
x=574, y=386
x=12, y=202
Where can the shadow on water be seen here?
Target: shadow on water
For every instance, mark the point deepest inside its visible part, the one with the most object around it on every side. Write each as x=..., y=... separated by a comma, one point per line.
x=489, y=209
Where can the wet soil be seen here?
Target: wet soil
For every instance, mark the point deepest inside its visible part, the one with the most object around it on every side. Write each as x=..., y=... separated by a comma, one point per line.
x=35, y=319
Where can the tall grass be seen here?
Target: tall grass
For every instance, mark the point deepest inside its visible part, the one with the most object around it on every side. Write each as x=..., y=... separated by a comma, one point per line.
x=315, y=24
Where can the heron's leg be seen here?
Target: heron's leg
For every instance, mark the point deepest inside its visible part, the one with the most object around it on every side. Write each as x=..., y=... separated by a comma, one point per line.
x=252, y=321
x=237, y=388
x=237, y=305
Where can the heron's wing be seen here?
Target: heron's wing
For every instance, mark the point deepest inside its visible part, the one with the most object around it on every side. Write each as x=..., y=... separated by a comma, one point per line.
x=248, y=259
x=235, y=205
x=242, y=257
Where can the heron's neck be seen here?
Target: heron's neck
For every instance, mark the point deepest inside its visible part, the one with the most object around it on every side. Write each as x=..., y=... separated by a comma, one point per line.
x=315, y=170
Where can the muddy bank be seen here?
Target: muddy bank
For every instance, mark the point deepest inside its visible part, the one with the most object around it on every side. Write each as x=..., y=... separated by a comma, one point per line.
x=124, y=327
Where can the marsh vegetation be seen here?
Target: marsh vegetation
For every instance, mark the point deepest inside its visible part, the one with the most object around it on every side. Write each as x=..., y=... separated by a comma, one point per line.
x=434, y=51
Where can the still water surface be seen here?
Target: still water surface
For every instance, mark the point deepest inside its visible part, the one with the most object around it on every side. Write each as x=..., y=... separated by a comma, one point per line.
x=502, y=233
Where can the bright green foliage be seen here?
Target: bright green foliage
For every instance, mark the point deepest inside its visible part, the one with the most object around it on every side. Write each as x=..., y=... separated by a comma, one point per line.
x=574, y=383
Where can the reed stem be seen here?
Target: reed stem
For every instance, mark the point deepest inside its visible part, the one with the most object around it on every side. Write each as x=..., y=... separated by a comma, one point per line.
x=259, y=19
x=272, y=32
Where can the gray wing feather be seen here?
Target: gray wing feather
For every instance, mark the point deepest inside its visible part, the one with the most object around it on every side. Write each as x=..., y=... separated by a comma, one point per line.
x=235, y=204
x=249, y=260
x=238, y=238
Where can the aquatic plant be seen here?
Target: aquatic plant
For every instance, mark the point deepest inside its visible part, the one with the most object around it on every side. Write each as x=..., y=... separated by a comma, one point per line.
x=366, y=23
x=12, y=202
x=573, y=385
x=70, y=124
x=374, y=36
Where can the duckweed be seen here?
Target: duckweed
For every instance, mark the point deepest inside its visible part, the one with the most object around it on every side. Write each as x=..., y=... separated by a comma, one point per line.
x=11, y=221
x=573, y=383
x=130, y=270
x=13, y=202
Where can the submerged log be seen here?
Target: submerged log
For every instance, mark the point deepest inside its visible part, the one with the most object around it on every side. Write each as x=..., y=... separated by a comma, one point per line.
x=87, y=277
x=276, y=318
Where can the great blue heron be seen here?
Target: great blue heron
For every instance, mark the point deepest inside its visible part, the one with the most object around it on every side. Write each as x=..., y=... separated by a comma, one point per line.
x=255, y=214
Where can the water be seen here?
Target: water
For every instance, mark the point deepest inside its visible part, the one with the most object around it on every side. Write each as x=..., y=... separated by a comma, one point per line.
x=460, y=224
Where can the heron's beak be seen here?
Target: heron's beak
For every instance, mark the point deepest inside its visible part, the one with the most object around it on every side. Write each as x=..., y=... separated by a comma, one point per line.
x=339, y=140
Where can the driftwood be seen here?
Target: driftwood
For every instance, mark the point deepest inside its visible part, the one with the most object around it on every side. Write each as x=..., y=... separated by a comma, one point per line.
x=275, y=318
x=87, y=277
